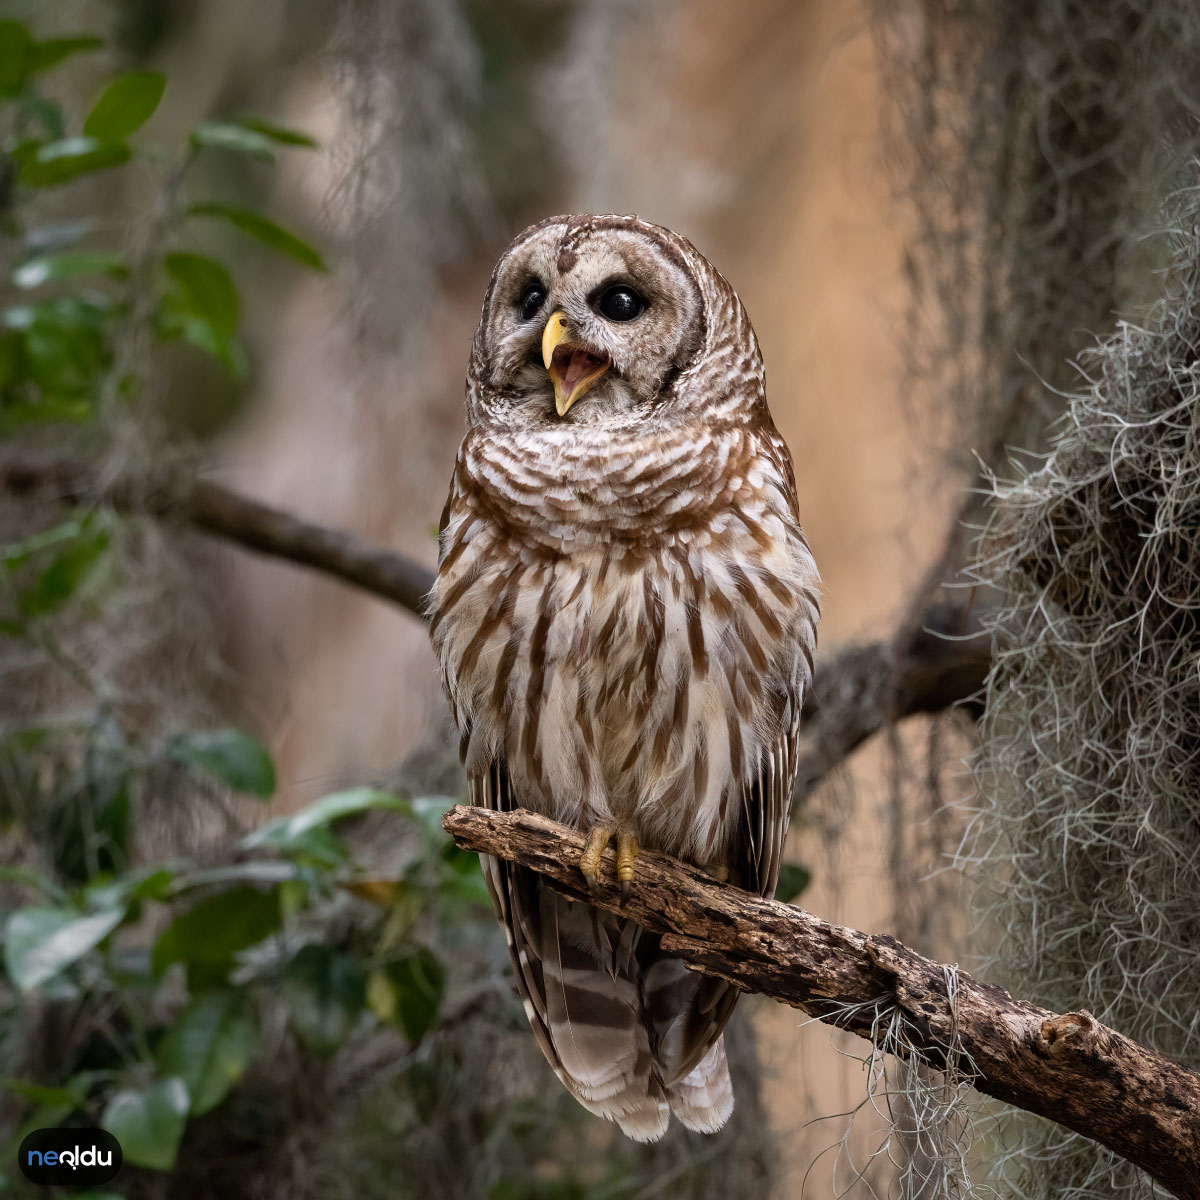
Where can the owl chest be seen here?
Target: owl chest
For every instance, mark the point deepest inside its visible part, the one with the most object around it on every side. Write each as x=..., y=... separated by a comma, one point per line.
x=634, y=691
x=583, y=673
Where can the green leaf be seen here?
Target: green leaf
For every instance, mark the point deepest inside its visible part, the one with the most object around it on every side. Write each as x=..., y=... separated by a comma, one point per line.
x=16, y=554
x=51, y=52
x=148, y=883
x=235, y=757
x=48, y=113
x=408, y=993
x=284, y=833
x=209, y=935
x=278, y=133
x=50, y=268
x=220, y=135
x=461, y=884
x=16, y=51
x=125, y=105
x=149, y=1122
x=47, y=239
x=62, y=351
x=33, y=879
x=209, y=1047
x=206, y=288
x=269, y=871
x=58, y=582
x=793, y=879
x=325, y=992
x=41, y=942
x=47, y=164
x=429, y=811
x=71, y=1095
x=266, y=231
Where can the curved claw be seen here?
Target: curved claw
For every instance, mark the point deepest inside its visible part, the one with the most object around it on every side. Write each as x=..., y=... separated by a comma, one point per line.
x=627, y=850
x=589, y=861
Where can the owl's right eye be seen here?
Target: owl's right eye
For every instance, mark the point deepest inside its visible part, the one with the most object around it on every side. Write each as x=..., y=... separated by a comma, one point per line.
x=532, y=299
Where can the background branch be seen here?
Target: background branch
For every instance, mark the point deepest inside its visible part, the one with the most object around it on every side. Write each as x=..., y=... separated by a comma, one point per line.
x=227, y=514
x=1067, y=1067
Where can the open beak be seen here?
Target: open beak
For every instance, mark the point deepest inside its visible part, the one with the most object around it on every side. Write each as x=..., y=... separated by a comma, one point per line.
x=572, y=369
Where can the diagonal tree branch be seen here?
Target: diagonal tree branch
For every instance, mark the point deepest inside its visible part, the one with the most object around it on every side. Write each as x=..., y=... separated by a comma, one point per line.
x=236, y=518
x=1064, y=1066
x=937, y=660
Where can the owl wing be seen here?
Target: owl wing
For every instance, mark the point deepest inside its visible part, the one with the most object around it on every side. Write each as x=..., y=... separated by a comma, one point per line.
x=767, y=807
x=579, y=973
x=688, y=1011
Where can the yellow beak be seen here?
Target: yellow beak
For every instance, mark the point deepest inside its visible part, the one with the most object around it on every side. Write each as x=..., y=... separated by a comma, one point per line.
x=573, y=370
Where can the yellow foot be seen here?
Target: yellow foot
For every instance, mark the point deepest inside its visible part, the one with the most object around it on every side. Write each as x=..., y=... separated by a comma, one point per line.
x=719, y=871
x=627, y=849
x=589, y=861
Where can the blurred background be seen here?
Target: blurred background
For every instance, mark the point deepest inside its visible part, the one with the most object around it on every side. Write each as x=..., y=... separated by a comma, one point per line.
x=927, y=210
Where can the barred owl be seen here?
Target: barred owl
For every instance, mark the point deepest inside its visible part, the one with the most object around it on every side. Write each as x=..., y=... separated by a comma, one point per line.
x=625, y=616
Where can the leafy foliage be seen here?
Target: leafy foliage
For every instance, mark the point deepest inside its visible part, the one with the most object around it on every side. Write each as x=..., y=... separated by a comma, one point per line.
x=168, y=963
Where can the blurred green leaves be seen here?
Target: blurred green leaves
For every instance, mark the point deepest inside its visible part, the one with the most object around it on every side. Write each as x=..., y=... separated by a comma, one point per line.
x=209, y=1046
x=70, y=264
x=45, y=570
x=149, y=1122
x=325, y=991
x=248, y=135
x=209, y=935
x=793, y=879
x=264, y=230
x=408, y=992
x=41, y=942
x=202, y=308
x=125, y=106
x=286, y=911
x=47, y=164
x=16, y=53
x=51, y=52
x=232, y=756
x=21, y=56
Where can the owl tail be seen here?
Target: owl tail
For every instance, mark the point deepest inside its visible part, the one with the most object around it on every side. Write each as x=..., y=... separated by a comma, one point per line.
x=592, y=1012
x=703, y=1099
x=636, y=1035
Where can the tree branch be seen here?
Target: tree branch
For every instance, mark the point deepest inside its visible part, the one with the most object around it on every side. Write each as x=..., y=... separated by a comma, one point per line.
x=938, y=660
x=1067, y=1067
x=225, y=514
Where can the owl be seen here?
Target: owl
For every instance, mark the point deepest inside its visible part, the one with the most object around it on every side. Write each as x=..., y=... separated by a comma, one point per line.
x=625, y=617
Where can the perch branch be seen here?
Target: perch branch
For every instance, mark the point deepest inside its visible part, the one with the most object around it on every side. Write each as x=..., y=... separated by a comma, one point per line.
x=1064, y=1066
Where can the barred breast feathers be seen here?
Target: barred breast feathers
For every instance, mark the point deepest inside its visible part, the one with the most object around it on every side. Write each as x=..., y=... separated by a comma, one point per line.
x=626, y=621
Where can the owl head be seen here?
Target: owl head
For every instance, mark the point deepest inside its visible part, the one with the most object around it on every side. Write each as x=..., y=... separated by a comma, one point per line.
x=608, y=321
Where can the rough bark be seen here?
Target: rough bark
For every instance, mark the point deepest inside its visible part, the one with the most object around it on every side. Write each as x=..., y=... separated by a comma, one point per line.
x=1064, y=1066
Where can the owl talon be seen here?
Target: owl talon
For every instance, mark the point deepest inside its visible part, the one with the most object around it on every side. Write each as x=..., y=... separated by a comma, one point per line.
x=589, y=861
x=627, y=849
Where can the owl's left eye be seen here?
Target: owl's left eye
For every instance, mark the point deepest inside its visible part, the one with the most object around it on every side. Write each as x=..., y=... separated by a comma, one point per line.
x=620, y=303
x=532, y=298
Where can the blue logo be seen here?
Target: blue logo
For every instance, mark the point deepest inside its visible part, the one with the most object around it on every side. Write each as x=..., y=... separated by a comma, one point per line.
x=69, y=1157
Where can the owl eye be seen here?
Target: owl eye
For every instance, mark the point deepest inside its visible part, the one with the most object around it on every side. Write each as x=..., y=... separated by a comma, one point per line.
x=532, y=298
x=620, y=303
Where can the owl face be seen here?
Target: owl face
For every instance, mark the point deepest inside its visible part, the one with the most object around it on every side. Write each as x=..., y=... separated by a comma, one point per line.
x=589, y=321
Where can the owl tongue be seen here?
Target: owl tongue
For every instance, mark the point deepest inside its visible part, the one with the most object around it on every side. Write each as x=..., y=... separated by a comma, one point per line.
x=572, y=365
